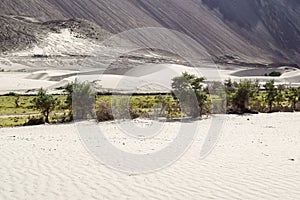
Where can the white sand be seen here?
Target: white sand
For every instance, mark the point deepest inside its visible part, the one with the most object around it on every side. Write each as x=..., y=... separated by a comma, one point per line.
x=63, y=43
x=9, y=84
x=251, y=161
x=145, y=78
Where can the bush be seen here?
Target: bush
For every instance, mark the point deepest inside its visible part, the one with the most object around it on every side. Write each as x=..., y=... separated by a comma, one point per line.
x=240, y=96
x=274, y=73
x=293, y=96
x=104, y=113
x=12, y=94
x=173, y=110
x=83, y=105
x=45, y=103
x=193, y=99
x=135, y=114
x=272, y=93
x=34, y=121
x=109, y=112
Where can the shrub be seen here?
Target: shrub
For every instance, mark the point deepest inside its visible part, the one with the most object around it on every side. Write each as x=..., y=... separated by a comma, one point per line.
x=104, y=113
x=188, y=89
x=173, y=110
x=45, y=103
x=274, y=73
x=240, y=95
x=108, y=112
x=12, y=94
x=84, y=103
x=293, y=96
x=34, y=121
x=272, y=93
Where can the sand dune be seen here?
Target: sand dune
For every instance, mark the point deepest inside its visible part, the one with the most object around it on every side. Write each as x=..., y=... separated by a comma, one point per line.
x=9, y=84
x=146, y=78
x=257, y=157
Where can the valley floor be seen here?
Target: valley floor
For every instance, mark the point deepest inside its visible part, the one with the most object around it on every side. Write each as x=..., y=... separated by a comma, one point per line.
x=257, y=157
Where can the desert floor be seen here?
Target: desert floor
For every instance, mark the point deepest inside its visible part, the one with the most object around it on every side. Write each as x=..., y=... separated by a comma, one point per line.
x=256, y=157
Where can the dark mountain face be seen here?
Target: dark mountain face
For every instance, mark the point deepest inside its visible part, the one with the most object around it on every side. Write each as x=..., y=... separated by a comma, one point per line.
x=241, y=12
x=280, y=19
x=265, y=30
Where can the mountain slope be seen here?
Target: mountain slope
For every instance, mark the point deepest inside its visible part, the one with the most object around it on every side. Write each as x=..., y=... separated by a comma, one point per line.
x=250, y=31
x=19, y=33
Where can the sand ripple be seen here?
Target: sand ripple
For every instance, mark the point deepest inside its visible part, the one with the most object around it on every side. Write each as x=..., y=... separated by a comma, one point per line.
x=256, y=158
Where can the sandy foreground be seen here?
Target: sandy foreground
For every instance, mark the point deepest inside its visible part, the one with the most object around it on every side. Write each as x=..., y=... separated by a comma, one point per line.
x=256, y=157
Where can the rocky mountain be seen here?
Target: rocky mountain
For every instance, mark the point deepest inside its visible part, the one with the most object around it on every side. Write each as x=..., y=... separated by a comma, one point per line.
x=241, y=31
x=19, y=32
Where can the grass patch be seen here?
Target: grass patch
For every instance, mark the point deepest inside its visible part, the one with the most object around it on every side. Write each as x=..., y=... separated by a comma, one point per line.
x=12, y=121
x=25, y=106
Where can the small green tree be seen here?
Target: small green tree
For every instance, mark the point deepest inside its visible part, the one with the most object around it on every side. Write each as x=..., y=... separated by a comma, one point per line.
x=17, y=98
x=80, y=99
x=189, y=90
x=162, y=103
x=17, y=101
x=293, y=97
x=271, y=94
x=219, y=94
x=45, y=103
x=245, y=91
x=279, y=99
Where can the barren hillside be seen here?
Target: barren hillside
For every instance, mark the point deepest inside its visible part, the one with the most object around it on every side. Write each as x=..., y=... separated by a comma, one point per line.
x=266, y=31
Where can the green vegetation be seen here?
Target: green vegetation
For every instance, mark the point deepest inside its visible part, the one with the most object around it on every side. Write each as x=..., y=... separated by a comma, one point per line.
x=271, y=94
x=8, y=106
x=82, y=106
x=188, y=89
x=275, y=74
x=293, y=96
x=45, y=103
x=18, y=115
x=12, y=121
x=190, y=98
x=240, y=94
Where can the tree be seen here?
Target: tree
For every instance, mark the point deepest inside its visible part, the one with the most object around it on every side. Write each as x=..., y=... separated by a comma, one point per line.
x=272, y=93
x=17, y=99
x=162, y=102
x=188, y=89
x=293, y=96
x=242, y=95
x=80, y=99
x=279, y=99
x=230, y=86
x=219, y=96
x=45, y=103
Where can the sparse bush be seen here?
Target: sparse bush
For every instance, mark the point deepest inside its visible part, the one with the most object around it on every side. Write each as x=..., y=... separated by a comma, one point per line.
x=272, y=93
x=135, y=114
x=45, y=103
x=34, y=121
x=240, y=94
x=173, y=110
x=83, y=105
x=108, y=112
x=104, y=113
x=13, y=94
x=293, y=96
x=274, y=73
x=188, y=89
x=218, y=97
